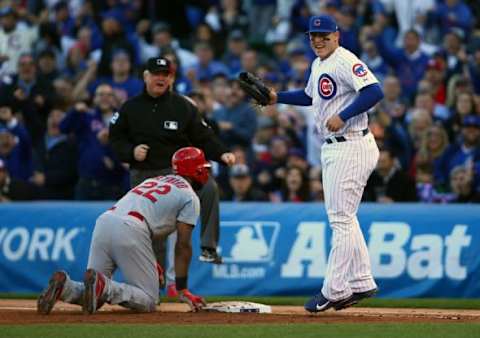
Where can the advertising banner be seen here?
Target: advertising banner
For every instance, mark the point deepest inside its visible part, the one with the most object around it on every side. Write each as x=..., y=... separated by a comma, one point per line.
x=416, y=250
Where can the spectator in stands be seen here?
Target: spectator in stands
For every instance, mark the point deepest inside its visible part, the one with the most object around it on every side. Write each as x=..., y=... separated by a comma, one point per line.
x=464, y=105
x=47, y=67
x=207, y=67
x=13, y=189
x=270, y=170
x=435, y=74
x=205, y=34
x=432, y=146
x=57, y=171
x=266, y=130
x=163, y=41
x=227, y=17
x=466, y=152
x=236, y=44
x=300, y=66
x=76, y=62
x=260, y=13
x=461, y=184
x=294, y=188
x=388, y=182
x=115, y=38
x=316, y=184
x=241, y=186
x=15, y=144
x=124, y=84
x=237, y=120
x=408, y=62
x=181, y=84
x=220, y=88
x=474, y=69
x=420, y=121
x=15, y=40
x=425, y=100
x=454, y=13
x=348, y=29
x=101, y=175
x=32, y=97
x=200, y=102
x=373, y=60
x=280, y=57
x=453, y=52
x=249, y=61
x=64, y=91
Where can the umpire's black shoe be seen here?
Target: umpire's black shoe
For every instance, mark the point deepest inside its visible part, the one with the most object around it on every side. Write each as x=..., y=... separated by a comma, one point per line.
x=210, y=255
x=355, y=298
x=52, y=293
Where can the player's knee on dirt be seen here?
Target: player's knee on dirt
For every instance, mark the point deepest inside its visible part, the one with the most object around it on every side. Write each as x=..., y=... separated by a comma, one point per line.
x=146, y=305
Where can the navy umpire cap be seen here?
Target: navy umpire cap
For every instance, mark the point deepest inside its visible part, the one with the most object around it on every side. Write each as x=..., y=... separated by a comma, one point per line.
x=159, y=65
x=322, y=24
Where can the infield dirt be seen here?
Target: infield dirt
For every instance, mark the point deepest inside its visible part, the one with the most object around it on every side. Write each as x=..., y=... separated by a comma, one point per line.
x=24, y=312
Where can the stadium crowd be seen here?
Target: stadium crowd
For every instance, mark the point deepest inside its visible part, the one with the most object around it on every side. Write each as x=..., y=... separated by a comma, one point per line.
x=67, y=66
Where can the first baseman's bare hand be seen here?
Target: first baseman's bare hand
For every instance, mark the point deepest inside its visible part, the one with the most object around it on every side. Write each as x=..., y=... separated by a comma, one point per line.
x=335, y=123
x=228, y=159
x=140, y=152
x=273, y=97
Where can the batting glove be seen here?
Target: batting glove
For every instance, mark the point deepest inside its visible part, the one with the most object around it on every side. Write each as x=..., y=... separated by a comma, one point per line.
x=195, y=303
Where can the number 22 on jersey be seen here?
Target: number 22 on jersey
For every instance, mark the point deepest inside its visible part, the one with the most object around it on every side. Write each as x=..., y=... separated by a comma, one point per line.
x=150, y=189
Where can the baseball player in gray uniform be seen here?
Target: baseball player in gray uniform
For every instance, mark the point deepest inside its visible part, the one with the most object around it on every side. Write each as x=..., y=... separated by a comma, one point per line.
x=122, y=239
x=341, y=89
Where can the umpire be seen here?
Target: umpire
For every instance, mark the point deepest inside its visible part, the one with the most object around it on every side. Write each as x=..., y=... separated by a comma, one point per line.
x=150, y=127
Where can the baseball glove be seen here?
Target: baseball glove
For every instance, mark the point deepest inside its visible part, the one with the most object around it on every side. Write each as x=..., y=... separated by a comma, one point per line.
x=254, y=87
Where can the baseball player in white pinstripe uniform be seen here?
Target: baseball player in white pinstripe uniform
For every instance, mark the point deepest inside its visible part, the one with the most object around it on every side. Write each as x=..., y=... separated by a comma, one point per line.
x=341, y=89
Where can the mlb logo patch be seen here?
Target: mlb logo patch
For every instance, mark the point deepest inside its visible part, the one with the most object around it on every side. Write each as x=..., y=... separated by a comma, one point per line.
x=170, y=125
x=359, y=70
x=161, y=62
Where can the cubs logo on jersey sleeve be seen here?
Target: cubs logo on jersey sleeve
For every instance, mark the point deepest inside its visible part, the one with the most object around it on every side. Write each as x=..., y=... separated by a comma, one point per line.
x=359, y=70
x=327, y=88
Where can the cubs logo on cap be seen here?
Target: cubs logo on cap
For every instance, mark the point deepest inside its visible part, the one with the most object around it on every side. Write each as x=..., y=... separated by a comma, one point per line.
x=322, y=24
x=327, y=88
x=359, y=70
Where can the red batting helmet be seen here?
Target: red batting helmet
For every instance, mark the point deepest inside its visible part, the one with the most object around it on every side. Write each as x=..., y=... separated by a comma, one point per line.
x=190, y=162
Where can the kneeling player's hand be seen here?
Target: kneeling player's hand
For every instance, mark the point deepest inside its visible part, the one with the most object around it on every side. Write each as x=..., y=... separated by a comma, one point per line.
x=161, y=277
x=195, y=303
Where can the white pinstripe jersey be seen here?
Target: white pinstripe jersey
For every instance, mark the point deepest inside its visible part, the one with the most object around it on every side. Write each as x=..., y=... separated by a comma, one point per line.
x=333, y=85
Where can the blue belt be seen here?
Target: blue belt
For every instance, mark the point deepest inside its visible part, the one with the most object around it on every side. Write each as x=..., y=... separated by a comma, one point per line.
x=334, y=139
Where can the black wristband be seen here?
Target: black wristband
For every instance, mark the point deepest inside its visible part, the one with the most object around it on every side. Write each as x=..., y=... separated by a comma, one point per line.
x=181, y=282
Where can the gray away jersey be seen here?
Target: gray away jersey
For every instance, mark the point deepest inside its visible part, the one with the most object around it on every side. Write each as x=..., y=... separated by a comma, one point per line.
x=333, y=85
x=162, y=201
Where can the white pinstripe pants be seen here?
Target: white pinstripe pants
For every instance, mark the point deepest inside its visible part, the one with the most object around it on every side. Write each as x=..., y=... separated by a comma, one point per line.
x=346, y=167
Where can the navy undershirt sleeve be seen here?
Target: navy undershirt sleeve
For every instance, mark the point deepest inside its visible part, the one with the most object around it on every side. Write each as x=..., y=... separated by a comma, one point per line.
x=294, y=97
x=366, y=99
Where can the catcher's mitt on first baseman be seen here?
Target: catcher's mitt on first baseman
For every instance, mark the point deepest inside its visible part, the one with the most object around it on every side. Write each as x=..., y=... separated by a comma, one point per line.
x=254, y=87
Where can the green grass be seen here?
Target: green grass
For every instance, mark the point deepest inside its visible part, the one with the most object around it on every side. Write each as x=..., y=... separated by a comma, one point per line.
x=457, y=330
x=429, y=303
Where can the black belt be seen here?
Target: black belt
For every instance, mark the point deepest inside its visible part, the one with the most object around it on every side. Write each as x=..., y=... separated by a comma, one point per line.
x=330, y=140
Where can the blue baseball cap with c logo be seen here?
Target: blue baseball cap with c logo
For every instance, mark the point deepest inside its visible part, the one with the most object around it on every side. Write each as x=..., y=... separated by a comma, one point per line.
x=322, y=24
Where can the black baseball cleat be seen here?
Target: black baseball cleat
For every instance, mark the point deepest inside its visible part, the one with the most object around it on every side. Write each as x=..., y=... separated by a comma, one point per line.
x=355, y=298
x=52, y=293
x=209, y=255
